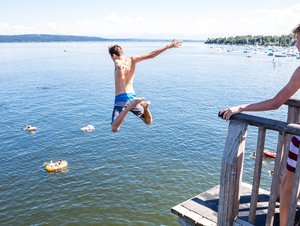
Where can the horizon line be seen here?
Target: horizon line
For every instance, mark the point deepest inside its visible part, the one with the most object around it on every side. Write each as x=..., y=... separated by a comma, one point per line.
x=100, y=38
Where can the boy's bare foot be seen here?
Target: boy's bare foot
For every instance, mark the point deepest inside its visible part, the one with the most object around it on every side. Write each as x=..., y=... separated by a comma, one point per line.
x=131, y=104
x=145, y=104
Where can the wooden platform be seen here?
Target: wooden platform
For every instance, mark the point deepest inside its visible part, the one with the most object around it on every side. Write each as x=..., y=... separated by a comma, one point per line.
x=203, y=209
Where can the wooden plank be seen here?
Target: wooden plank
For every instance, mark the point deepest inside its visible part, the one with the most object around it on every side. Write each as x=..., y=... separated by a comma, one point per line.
x=204, y=207
x=231, y=173
x=239, y=222
x=208, y=202
x=293, y=115
x=191, y=217
x=293, y=102
x=289, y=128
x=262, y=206
x=294, y=195
x=206, y=222
x=275, y=180
x=257, y=173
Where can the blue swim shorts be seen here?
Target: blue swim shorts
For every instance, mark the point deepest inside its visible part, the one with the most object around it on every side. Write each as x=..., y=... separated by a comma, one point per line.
x=121, y=102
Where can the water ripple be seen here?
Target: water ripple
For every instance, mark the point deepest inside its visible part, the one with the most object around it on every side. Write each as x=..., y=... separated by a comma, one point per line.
x=133, y=177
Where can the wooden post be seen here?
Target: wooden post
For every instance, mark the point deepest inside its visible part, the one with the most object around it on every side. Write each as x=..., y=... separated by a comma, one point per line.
x=294, y=196
x=257, y=173
x=231, y=173
x=275, y=180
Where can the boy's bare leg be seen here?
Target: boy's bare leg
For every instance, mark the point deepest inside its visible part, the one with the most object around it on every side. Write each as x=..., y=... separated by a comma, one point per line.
x=115, y=127
x=147, y=113
x=285, y=196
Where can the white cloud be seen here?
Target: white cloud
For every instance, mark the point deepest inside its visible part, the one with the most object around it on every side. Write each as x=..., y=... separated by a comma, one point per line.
x=262, y=21
x=114, y=25
x=278, y=21
x=124, y=26
x=12, y=29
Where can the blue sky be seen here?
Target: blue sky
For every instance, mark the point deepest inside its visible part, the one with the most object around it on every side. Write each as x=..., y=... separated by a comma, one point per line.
x=190, y=19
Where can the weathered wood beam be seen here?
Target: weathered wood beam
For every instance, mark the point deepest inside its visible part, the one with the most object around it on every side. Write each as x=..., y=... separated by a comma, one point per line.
x=276, y=125
x=293, y=102
x=231, y=173
x=257, y=173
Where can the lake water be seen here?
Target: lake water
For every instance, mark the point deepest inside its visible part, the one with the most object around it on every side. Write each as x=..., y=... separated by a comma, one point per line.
x=133, y=177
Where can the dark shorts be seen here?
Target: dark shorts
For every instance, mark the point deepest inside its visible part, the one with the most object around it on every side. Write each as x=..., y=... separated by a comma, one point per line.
x=121, y=102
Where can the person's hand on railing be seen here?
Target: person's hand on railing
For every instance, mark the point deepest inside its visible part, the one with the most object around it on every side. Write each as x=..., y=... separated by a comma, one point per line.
x=226, y=113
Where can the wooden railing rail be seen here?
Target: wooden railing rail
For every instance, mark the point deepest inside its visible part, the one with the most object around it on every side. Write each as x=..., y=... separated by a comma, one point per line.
x=271, y=124
x=293, y=102
x=232, y=164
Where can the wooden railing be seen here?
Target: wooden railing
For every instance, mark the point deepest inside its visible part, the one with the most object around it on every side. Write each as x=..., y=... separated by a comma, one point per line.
x=232, y=164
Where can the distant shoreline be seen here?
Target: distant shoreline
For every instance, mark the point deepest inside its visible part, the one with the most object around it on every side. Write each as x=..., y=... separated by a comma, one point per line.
x=72, y=38
x=283, y=40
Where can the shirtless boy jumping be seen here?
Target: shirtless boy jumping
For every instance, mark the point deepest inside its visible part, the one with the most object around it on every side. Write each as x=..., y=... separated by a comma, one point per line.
x=125, y=99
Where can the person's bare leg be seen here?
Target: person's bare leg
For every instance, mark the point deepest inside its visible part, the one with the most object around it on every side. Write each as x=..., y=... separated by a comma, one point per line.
x=285, y=196
x=115, y=127
x=147, y=113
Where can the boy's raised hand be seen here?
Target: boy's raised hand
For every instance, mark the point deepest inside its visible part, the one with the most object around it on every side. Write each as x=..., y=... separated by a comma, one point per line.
x=175, y=43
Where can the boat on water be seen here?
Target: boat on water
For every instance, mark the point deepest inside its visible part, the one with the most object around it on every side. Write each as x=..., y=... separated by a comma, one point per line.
x=280, y=54
x=56, y=166
x=269, y=154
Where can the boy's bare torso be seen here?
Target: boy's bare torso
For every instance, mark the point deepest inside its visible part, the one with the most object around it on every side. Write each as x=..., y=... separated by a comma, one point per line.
x=124, y=76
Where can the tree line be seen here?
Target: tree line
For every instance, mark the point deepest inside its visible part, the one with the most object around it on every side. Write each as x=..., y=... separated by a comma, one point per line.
x=283, y=40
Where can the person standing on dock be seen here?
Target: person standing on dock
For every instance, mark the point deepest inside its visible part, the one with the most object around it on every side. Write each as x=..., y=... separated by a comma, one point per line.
x=125, y=98
x=279, y=99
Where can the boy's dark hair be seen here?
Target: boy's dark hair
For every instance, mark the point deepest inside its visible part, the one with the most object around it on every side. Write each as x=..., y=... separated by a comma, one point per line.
x=296, y=29
x=115, y=49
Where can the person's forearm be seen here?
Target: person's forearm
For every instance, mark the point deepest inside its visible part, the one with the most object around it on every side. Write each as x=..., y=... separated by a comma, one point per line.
x=260, y=106
x=173, y=44
x=159, y=51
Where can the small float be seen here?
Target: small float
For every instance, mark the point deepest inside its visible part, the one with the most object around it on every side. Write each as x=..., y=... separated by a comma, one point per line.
x=30, y=128
x=88, y=128
x=269, y=154
x=56, y=166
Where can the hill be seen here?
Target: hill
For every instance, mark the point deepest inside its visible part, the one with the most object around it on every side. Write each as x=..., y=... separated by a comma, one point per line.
x=73, y=38
x=47, y=38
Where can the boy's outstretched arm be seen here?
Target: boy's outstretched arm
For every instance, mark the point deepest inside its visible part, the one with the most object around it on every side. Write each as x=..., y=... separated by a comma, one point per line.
x=174, y=44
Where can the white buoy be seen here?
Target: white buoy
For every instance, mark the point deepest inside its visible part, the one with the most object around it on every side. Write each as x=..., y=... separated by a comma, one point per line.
x=88, y=128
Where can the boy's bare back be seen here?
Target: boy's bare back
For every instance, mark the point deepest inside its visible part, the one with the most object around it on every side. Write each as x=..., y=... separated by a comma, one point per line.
x=124, y=75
